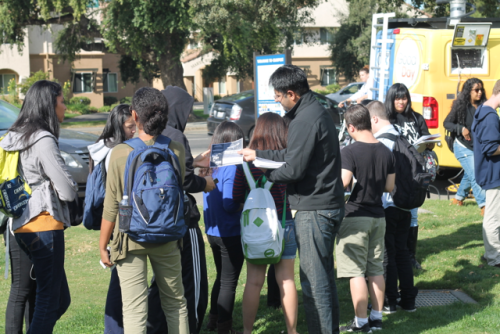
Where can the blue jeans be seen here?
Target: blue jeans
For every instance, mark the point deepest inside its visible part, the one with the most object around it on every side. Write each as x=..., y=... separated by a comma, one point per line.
x=290, y=251
x=315, y=234
x=466, y=159
x=46, y=251
x=414, y=217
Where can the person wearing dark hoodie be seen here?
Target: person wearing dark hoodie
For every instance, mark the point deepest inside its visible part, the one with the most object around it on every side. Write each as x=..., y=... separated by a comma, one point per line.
x=40, y=229
x=312, y=172
x=194, y=266
x=486, y=137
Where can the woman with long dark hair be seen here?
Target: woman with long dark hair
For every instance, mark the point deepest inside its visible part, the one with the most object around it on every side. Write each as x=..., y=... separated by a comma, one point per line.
x=222, y=214
x=119, y=127
x=40, y=229
x=412, y=126
x=459, y=122
x=270, y=134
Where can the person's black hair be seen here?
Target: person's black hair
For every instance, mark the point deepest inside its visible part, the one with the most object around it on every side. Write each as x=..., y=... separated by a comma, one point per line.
x=226, y=132
x=152, y=108
x=113, y=132
x=359, y=117
x=289, y=77
x=38, y=111
x=397, y=91
x=463, y=99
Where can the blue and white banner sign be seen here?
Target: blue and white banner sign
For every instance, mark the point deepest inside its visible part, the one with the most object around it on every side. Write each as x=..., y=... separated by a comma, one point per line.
x=265, y=67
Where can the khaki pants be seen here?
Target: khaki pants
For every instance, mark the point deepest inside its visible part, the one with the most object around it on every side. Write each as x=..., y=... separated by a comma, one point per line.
x=166, y=263
x=491, y=227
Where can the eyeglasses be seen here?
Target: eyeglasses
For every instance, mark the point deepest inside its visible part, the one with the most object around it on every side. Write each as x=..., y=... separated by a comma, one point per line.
x=477, y=90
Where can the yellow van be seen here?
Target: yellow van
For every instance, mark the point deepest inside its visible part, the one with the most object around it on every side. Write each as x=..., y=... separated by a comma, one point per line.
x=434, y=60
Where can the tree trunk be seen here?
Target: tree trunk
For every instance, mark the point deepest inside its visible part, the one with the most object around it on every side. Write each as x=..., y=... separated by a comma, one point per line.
x=171, y=71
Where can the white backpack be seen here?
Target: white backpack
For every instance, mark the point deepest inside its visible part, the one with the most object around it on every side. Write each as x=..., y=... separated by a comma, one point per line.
x=262, y=235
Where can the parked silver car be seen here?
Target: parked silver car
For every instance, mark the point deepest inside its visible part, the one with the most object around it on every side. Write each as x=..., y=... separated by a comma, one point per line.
x=345, y=92
x=73, y=146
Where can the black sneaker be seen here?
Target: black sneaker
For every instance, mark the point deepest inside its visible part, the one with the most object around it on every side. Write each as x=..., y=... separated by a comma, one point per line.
x=375, y=325
x=407, y=307
x=351, y=328
x=389, y=309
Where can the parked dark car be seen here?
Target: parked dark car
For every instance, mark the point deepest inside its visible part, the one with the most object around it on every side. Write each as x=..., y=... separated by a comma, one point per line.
x=73, y=146
x=240, y=109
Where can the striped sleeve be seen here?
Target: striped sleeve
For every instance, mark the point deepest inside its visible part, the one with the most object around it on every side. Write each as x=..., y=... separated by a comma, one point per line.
x=240, y=186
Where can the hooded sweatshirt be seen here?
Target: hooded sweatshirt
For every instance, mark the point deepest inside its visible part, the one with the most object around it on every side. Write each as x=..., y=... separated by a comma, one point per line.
x=486, y=136
x=44, y=169
x=98, y=152
x=180, y=105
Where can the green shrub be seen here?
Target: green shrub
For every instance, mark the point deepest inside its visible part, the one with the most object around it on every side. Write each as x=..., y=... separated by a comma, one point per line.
x=80, y=108
x=217, y=97
x=322, y=92
x=126, y=100
x=35, y=76
x=104, y=109
x=92, y=110
x=80, y=100
x=333, y=88
x=67, y=90
x=13, y=92
x=109, y=100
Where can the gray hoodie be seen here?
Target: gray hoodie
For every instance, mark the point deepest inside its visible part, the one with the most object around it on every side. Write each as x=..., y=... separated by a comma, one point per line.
x=45, y=171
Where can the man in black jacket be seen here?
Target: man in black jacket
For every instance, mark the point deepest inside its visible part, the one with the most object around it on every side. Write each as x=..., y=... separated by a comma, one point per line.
x=312, y=171
x=194, y=266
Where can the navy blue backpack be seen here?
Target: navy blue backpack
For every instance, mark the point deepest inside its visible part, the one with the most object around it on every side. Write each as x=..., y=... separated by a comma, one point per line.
x=94, y=197
x=154, y=210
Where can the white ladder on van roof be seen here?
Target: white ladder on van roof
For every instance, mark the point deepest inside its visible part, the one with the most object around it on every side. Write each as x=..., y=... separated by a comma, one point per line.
x=381, y=71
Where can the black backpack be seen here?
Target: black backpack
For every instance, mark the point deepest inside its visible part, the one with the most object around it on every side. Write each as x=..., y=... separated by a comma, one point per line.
x=412, y=179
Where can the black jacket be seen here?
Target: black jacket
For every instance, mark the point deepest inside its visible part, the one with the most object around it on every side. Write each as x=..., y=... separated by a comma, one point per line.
x=313, y=167
x=451, y=124
x=180, y=105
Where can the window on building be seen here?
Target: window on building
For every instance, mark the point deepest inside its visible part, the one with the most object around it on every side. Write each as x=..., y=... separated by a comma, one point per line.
x=110, y=83
x=325, y=36
x=193, y=44
x=222, y=86
x=306, y=69
x=82, y=83
x=328, y=76
x=4, y=82
x=298, y=38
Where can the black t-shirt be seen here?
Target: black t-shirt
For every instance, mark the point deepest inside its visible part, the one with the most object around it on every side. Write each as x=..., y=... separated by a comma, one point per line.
x=411, y=127
x=370, y=163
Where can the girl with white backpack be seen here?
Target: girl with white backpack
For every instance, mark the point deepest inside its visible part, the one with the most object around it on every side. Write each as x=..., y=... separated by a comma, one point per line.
x=270, y=134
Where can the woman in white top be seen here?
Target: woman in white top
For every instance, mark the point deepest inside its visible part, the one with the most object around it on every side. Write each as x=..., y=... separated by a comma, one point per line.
x=362, y=93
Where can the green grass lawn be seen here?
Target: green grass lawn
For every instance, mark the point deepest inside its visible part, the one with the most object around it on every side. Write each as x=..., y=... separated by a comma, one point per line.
x=69, y=125
x=199, y=114
x=449, y=249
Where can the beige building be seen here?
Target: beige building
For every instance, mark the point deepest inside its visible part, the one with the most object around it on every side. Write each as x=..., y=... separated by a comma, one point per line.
x=310, y=52
x=94, y=74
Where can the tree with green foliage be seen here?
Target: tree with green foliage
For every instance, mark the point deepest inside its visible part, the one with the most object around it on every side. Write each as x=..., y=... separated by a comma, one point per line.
x=151, y=35
x=350, y=50
x=234, y=29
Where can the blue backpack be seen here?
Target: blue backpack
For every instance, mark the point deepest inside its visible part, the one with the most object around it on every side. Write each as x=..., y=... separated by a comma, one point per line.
x=94, y=197
x=153, y=210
